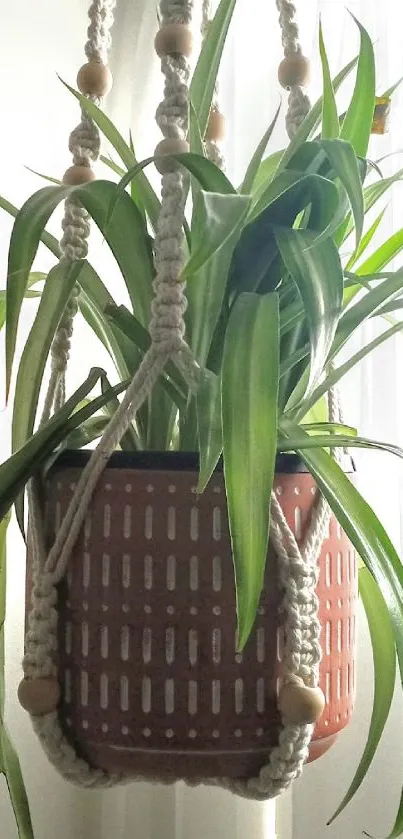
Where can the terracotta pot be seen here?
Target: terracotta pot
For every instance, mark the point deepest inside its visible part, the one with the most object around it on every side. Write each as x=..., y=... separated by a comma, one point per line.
x=152, y=683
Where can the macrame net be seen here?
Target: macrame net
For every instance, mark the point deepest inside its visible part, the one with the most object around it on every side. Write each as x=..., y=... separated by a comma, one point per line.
x=297, y=565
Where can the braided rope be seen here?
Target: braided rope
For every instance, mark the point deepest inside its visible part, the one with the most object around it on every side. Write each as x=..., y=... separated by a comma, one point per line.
x=298, y=102
x=84, y=146
x=297, y=566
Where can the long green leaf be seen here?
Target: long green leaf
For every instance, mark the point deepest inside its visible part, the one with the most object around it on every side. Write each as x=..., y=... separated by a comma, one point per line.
x=209, y=427
x=311, y=122
x=384, y=658
x=205, y=74
x=364, y=244
x=93, y=301
x=19, y=468
x=9, y=765
x=56, y=292
x=330, y=118
x=298, y=440
x=256, y=160
x=397, y=829
x=249, y=422
x=339, y=372
x=15, y=784
x=345, y=164
x=126, y=235
x=89, y=431
x=3, y=578
x=266, y=173
x=365, y=531
x=317, y=273
x=383, y=255
x=219, y=218
x=25, y=238
x=387, y=290
x=208, y=175
x=357, y=124
x=146, y=197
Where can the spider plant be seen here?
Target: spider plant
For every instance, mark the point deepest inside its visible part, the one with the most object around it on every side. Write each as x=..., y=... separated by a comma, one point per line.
x=271, y=303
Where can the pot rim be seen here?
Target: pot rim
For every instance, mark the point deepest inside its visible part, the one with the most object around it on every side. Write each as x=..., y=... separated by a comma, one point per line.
x=286, y=464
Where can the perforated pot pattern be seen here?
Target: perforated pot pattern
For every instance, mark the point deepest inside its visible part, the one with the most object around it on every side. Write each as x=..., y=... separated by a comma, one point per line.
x=152, y=680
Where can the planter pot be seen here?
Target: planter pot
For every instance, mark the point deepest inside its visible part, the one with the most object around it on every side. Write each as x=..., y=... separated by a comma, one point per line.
x=152, y=682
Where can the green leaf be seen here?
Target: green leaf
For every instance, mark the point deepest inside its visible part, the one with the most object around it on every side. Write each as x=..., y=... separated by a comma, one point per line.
x=391, y=90
x=208, y=175
x=9, y=765
x=320, y=426
x=291, y=192
x=145, y=196
x=56, y=292
x=330, y=117
x=298, y=440
x=249, y=422
x=364, y=244
x=93, y=301
x=107, y=161
x=255, y=163
x=3, y=576
x=317, y=273
x=384, y=658
x=25, y=238
x=345, y=164
x=357, y=124
x=387, y=290
x=127, y=237
x=19, y=468
x=208, y=403
x=397, y=830
x=375, y=191
x=312, y=120
x=219, y=218
x=365, y=532
x=47, y=239
x=89, y=431
x=206, y=70
x=339, y=372
x=44, y=177
x=15, y=784
x=265, y=173
x=383, y=255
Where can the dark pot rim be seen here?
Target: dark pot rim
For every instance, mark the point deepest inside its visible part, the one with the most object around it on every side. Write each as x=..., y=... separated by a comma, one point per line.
x=286, y=464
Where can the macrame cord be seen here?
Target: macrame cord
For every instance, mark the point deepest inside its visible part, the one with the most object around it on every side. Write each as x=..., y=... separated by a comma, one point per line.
x=297, y=566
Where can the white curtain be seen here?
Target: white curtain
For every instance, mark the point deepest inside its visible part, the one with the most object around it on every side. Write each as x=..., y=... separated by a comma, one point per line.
x=36, y=41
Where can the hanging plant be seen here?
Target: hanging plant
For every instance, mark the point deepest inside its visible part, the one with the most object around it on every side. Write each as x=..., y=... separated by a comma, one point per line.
x=209, y=430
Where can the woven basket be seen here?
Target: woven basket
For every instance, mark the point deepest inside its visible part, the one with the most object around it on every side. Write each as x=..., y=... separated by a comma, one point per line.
x=152, y=681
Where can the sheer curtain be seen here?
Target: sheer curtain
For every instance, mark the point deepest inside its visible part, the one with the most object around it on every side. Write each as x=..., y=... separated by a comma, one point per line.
x=36, y=41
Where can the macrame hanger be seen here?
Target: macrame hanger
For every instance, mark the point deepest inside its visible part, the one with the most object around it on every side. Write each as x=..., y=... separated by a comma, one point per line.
x=297, y=566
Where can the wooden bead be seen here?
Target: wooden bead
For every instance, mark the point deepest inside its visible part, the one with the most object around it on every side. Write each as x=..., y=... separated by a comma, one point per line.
x=295, y=69
x=174, y=39
x=94, y=79
x=39, y=696
x=300, y=704
x=76, y=175
x=167, y=147
x=215, y=130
